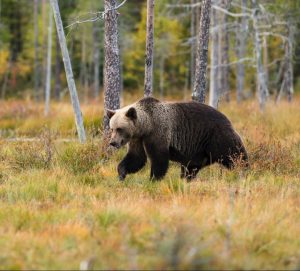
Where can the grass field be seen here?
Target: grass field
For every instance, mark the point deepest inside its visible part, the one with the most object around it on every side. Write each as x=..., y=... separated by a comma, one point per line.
x=62, y=206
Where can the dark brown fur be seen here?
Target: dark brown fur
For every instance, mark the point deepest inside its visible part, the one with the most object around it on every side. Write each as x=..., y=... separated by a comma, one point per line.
x=192, y=134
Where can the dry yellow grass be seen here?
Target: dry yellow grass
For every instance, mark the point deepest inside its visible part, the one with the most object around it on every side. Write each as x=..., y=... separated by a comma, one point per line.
x=61, y=203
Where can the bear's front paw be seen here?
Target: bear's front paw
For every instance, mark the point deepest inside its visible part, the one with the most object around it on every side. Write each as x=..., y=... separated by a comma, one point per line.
x=122, y=173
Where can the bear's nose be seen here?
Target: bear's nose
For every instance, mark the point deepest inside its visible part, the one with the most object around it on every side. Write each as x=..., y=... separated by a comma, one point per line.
x=114, y=144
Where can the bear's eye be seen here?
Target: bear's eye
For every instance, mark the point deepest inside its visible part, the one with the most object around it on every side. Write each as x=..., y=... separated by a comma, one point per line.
x=119, y=130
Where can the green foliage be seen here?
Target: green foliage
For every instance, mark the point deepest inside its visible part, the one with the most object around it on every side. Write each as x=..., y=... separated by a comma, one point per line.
x=79, y=158
x=168, y=36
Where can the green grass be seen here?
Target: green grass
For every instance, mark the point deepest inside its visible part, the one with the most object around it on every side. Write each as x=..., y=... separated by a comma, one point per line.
x=61, y=202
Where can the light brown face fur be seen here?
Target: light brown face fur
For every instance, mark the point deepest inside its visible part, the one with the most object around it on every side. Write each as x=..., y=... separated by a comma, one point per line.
x=122, y=128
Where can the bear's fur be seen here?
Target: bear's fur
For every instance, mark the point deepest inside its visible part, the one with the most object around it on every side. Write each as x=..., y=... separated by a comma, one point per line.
x=190, y=133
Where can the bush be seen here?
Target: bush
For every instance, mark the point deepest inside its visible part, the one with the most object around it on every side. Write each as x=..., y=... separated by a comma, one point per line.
x=78, y=158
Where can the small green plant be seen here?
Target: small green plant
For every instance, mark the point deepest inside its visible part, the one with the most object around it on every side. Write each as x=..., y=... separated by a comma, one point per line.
x=36, y=154
x=78, y=158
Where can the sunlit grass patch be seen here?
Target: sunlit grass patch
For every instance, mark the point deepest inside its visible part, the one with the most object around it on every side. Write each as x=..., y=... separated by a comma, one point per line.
x=78, y=158
x=57, y=212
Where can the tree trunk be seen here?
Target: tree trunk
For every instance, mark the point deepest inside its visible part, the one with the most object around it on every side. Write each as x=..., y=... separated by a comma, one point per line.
x=96, y=26
x=202, y=53
x=112, y=61
x=224, y=33
x=214, y=60
x=241, y=36
x=148, y=84
x=48, y=73
x=45, y=40
x=262, y=89
x=69, y=72
x=36, y=52
x=266, y=58
x=289, y=71
x=57, y=70
x=193, y=43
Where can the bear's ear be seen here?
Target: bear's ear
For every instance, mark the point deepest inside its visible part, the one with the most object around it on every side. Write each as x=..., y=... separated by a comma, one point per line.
x=131, y=113
x=110, y=113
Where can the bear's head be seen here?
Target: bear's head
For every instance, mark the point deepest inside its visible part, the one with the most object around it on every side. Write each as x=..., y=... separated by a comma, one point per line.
x=123, y=125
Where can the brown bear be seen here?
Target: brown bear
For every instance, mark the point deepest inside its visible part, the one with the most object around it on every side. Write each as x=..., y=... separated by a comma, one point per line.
x=190, y=133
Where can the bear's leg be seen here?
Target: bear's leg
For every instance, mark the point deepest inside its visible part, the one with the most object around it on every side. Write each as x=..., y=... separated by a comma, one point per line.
x=134, y=160
x=159, y=157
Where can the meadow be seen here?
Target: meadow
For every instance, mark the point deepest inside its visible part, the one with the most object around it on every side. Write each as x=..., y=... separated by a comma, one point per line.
x=62, y=206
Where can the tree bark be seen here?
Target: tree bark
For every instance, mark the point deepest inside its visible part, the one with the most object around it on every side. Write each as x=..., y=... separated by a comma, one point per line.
x=112, y=61
x=202, y=53
x=148, y=84
x=36, y=52
x=214, y=60
x=57, y=70
x=224, y=33
x=241, y=36
x=262, y=89
x=48, y=73
x=290, y=71
x=193, y=44
x=69, y=72
x=45, y=42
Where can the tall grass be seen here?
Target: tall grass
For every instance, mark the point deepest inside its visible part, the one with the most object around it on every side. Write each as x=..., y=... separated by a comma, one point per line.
x=61, y=204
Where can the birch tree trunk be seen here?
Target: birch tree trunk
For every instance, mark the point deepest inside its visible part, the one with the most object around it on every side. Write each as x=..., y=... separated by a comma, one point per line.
x=202, y=53
x=214, y=60
x=112, y=61
x=96, y=26
x=262, y=89
x=36, y=51
x=241, y=36
x=224, y=70
x=45, y=42
x=148, y=84
x=69, y=72
x=49, y=58
x=57, y=70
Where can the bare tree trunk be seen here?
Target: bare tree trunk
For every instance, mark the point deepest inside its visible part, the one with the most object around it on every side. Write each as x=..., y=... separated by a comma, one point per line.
x=112, y=61
x=96, y=26
x=45, y=39
x=289, y=71
x=69, y=72
x=224, y=33
x=148, y=84
x=202, y=53
x=49, y=58
x=57, y=70
x=36, y=52
x=262, y=90
x=193, y=43
x=241, y=51
x=214, y=60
